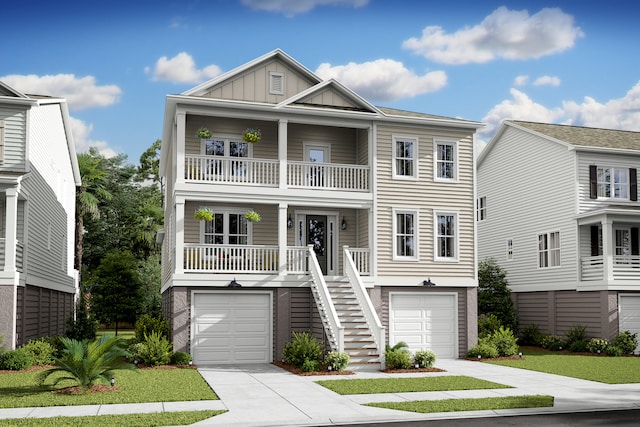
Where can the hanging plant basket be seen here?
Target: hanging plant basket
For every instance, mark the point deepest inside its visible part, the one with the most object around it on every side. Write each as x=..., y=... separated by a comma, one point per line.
x=251, y=135
x=203, y=214
x=252, y=216
x=204, y=133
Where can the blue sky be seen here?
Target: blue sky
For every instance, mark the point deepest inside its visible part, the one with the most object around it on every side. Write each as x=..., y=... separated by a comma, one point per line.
x=115, y=61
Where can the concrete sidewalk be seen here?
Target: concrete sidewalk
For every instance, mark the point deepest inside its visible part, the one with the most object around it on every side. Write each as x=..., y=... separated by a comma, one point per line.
x=265, y=395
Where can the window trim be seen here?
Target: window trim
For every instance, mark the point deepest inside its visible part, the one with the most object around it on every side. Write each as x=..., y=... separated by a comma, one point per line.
x=456, y=214
x=481, y=208
x=548, y=250
x=394, y=170
x=611, y=183
x=416, y=233
x=445, y=141
x=225, y=210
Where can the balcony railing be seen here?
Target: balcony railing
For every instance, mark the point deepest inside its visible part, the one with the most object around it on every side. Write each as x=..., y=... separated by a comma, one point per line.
x=624, y=268
x=19, y=254
x=328, y=176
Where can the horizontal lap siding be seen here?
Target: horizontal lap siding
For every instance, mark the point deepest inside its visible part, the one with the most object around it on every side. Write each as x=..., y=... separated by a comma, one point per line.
x=533, y=309
x=14, y=138
x=579, y=308
x=45, y=313
x=343, y=142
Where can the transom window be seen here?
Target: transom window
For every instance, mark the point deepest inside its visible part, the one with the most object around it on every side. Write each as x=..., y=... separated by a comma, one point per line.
x=405, y=157
x=613, y=183
x=445, y=160
x=446, y=246
x=549, y=250
x=227, y=228
x=405, y=234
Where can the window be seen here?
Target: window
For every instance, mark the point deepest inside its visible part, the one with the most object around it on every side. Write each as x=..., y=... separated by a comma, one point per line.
x=445, y=160
x=549, y=250
x=226, y=147
x=276, y=83
x=446, y=245
x=613, y=183
x=1, y=141
x=227, y=228
x=481, y=208
x=509, y=249
x=405, y=157
x=405, y=234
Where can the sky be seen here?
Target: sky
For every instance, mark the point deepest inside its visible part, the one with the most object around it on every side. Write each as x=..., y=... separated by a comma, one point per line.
x=557, y=61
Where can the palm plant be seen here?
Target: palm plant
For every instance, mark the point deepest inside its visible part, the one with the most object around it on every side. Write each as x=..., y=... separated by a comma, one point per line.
x=88, y=362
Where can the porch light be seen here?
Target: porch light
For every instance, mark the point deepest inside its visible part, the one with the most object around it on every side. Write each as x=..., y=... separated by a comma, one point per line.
x=113, y=381
x=428, y=282
x=234, y=284
x=289, y=222
x=343, y=225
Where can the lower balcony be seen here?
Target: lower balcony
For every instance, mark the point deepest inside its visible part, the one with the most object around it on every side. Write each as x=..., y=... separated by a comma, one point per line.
x=624, y=267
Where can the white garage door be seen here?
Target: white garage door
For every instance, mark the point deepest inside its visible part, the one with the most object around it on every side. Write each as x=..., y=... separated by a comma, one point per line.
x=629, y=314
x=231, y=328
x=425, y=322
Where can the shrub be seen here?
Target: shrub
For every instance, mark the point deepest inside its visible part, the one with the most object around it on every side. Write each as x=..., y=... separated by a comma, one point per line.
x=483, y=349
x=136, y=352
x=578, y=347
x=487, y=323
x=397, y=359
x=424, y=358
x=504, y=341
x=338, y=361
x=552, y=342
x=83, y=326
x=530, y=335
x=597, y=345
x=16, y=360
x=180, y=358
x=311, y=366
x=156, y=350
x=148, y=324
x=613, y=350
x=626, y=341
x=494, y=295
x=303, y=346
x=576, y=333
x=41, y=351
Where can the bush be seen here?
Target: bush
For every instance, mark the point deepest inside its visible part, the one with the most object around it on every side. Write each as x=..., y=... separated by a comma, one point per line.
x=494, y=295
x=487, y=323
x=304, y=346
x=41, y=351
x=148, y=324
x=83, y=326
x=16, y=360
x=484, y=349
x=398, y=356
x=180, y=358
x=424, y=358
x=597, y=345
x=311, y=366
x=136, y=352
x=576, y=333
x=578, y=347
x=156, y=350
x=552, y=342
x=530, y=335
x=626, y=341
x=338, y=361
x=612, y=350
x=504, y=341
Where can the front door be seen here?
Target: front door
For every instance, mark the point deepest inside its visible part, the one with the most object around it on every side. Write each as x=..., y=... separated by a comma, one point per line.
x=316, y=235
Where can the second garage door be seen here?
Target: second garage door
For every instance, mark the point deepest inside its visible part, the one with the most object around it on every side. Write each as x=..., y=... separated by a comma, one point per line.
x=232, y=327
x=425, y=322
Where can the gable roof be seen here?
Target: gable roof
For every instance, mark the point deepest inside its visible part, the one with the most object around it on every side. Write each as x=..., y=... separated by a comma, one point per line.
x=352, y=101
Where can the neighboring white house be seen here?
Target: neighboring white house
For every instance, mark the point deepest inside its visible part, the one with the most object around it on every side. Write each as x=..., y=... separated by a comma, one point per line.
x=558, y=209
x=362, y=210
x=38, y=178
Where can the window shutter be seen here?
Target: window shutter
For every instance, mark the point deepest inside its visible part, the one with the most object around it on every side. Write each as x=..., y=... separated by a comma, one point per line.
x=593, y=181
x=594, y=240
x=635, y=250
x=633, y=184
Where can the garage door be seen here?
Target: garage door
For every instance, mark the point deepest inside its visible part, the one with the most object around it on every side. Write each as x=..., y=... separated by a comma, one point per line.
x=231, y=328
x=425, y=322
x=629, y=314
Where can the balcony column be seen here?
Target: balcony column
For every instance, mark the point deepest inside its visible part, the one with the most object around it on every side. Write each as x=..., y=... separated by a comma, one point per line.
x=282, y=238
x=178, y=154
x=11, y=229
x=282, y=153
x=179, y=255
x=607, y=250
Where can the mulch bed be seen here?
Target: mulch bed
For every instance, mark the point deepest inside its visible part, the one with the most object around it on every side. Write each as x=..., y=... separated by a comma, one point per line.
x=324, y=371
x=411, y=370
x=96, y=388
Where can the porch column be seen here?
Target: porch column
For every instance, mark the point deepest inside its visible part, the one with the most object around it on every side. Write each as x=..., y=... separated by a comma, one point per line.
x=607, y=250
x=181, y=126
x=11, y=225
x=282, y=238
x=179, y=267
x=282, y=153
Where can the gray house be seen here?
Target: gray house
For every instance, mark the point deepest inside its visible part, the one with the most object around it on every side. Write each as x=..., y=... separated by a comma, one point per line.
x=38, y=177
x=558, y=209
x=363, y=209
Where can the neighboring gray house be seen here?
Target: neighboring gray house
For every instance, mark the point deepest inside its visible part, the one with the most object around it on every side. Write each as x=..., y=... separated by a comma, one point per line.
x=361, y=207
x=558, y=209
x=38, y=177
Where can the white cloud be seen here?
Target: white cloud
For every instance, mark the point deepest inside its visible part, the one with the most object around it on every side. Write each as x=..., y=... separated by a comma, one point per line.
x=521, y=80
x=293, y=7
x=82, y=141
x=547, y=81
x=182, y=69
x=506, y=34
x=80, y=92
x=383, y=79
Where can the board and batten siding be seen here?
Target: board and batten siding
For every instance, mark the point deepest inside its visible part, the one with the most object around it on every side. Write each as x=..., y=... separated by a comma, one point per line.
x=426, y=195
x=529, y=185
x=15, y=125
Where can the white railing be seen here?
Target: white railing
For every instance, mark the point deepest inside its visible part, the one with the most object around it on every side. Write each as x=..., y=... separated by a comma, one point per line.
x=328, y=176
x=231, y=258
x=592, y=268
x=297, y=260
x=362, y=260
x=332, y=325
x=238, y=170
x=373, y=321
x=624, y=267
x=19, y=254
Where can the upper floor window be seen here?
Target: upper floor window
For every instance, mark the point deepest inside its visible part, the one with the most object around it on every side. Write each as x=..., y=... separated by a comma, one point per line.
x=229, y=227
x=405, y=234
x=549, y=250
x=1, y=141
x=226, y=147
x=276, y=83
x=481, y=208
x=613, y=183
x=446, y=233
x=509, y=249
x=446, y=160
x=405, y=157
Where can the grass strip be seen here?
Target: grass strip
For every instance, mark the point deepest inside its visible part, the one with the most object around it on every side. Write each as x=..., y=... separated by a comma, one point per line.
x=181, y=418
x=462, y=405
x=402, y=385
x=21, y=389
x=608, y=370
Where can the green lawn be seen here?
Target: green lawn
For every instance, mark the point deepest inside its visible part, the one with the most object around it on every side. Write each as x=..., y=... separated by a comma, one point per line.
x=412, y=384
x=130, y=420
x=458, y=405
x=609, y=370
x=125, y=334
x=144, y=385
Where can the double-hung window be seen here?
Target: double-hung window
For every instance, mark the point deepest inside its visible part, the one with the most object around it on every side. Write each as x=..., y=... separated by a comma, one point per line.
x=405, y=157
x=229, y=227
x=613, y=183
x=549, y=250
x=445, y=159
x=405, y=234
x=446, y=236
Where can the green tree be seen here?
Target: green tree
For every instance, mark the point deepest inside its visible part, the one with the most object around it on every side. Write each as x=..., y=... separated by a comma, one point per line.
x=151, y=274
x=494, y=295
